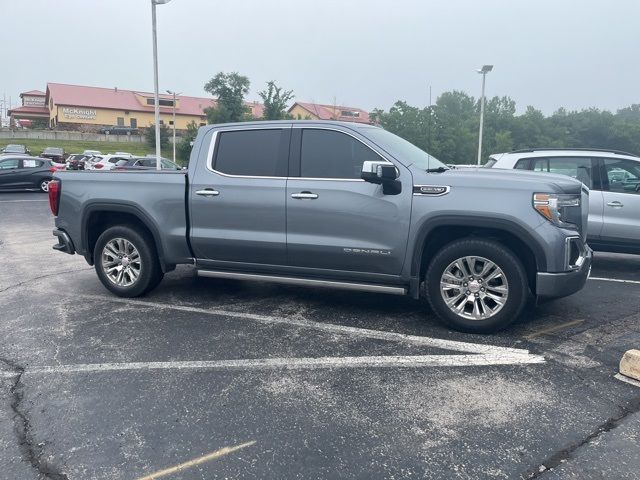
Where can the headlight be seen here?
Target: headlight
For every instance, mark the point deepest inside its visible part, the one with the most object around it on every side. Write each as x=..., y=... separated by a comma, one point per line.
x=558, y=208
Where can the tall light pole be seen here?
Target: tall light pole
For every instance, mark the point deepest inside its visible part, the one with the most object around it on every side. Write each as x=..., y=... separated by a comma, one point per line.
x=174, y=122
x=156, y=100
x=484, y=70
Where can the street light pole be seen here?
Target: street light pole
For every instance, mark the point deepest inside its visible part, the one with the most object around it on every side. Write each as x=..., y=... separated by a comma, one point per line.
x=174, y=122
x=484, y=70
x=156, y=100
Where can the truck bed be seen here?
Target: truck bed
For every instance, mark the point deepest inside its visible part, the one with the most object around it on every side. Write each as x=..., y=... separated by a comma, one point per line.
x=159, y=197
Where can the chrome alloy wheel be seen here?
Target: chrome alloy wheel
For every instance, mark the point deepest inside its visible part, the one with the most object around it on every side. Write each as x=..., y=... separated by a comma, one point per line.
x=121, y=262
x=44, y=185
x=474, y=288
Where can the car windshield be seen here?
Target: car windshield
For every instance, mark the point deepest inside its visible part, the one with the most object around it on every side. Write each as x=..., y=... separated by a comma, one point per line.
x=14, y=148
x=404, y=151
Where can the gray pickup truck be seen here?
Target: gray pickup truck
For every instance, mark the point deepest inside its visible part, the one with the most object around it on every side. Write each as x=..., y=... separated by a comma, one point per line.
x=331, y=204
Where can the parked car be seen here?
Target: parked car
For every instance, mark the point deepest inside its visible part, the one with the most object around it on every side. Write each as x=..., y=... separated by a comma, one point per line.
x=92, y=152
x=614, y=180
x=105, y=162
x=146, y=163
x=76, y=161
x=124, y=154
x=54, y=153
x=16, y=150
x=118, y=130
x=24, y=172
x=333, y=204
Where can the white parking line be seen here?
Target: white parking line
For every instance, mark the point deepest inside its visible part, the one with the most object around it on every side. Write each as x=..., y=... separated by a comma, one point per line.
x=18, y=201
x=329, y=327
x=309, y=363
x=614, y=280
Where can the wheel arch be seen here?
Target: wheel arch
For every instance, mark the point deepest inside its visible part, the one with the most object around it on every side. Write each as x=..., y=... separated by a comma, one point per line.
x=98, y=217
x=437, y=232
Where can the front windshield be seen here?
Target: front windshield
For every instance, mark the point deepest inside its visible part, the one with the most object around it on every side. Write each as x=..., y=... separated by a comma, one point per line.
x=402, y=150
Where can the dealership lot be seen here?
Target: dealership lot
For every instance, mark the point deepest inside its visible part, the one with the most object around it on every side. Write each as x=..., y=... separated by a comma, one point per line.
x=306, y=383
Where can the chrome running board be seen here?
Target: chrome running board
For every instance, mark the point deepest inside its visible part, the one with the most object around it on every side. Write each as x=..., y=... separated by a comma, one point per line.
x=309, y=282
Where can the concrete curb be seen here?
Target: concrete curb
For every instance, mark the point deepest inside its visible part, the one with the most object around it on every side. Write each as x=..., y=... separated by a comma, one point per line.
x=630, y=364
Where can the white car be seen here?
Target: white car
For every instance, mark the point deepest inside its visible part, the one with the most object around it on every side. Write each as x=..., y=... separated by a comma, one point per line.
x=107, y=162
x=613, y=178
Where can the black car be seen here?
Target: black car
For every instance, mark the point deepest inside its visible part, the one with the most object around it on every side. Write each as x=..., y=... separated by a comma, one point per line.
x=22, y=172
x=118, y=130
x=15, y=150
x=146, y=163
x=54, y=153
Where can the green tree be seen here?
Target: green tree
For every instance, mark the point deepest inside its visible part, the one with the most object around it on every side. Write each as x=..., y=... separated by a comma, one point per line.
x=150, y=136
x=183, y=149
x=275, y=101
x=229, y=90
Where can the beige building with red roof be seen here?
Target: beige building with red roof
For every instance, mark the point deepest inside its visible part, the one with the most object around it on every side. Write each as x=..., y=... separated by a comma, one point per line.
x=317, y=111
x=76, y=107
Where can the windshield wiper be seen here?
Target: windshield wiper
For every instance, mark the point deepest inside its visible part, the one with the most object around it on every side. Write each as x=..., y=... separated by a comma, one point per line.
x=437, y=170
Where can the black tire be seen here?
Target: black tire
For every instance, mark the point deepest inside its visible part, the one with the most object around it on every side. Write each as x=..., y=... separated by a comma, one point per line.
x=150, y=272
x=502, y=257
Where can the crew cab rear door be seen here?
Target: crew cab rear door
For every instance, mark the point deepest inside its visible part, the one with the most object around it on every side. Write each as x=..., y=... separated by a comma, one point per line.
x=237, y=200
x=335, y=220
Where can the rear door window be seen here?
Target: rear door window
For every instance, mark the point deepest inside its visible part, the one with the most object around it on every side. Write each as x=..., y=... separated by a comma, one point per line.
x=29, y=163
x=623, y=175
x=255, y=153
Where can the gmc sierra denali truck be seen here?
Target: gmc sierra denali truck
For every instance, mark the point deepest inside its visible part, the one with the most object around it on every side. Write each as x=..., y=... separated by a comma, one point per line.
x=331, y=204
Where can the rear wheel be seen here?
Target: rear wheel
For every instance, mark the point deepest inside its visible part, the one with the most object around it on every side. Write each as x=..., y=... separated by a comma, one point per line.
x=44, y=185
x=476, y=285
x=126, y=261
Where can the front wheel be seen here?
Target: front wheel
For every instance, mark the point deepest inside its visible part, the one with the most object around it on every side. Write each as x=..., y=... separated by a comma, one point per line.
x=476, y=286
x=126, y=261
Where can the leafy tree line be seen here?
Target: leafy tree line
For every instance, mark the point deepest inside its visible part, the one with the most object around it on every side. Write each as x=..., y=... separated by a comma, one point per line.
x=449, y=128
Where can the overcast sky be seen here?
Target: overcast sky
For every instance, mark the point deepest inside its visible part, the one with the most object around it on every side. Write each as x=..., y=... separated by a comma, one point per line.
x=362, y=53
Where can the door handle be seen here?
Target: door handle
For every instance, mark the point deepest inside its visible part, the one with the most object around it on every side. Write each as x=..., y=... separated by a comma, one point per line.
x=305, y=195
x=615, y=204
x=208, y=192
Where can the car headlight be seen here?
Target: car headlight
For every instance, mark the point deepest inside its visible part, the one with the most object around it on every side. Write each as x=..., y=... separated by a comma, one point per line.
x=558, y=208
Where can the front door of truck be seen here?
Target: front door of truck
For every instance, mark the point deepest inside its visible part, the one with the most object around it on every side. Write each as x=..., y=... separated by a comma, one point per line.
x=335, y=220
x=237, y=202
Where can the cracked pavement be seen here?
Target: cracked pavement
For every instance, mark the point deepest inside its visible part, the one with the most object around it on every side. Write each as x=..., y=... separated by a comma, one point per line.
x=567, y=418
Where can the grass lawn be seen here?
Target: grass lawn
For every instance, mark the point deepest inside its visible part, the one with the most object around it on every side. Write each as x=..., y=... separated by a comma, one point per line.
x=78, y=146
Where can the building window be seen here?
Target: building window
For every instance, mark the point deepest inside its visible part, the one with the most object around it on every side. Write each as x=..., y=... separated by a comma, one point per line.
x=161, y=122
x=120, y=121
x=162, y=102
x=170, y=122
x=134, y=122
x=202, y=124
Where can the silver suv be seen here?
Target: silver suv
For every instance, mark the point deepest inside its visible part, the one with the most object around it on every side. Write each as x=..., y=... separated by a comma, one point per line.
x=614, y=180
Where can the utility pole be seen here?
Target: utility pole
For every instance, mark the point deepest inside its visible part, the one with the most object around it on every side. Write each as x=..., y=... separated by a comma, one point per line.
x=484, y=70
x=174, y=122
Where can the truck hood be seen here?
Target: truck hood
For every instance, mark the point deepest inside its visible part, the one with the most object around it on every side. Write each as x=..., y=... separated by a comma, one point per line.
x=498, y=179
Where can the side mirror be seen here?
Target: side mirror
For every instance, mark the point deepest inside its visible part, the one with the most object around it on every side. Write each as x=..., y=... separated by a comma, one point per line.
x=378, y=172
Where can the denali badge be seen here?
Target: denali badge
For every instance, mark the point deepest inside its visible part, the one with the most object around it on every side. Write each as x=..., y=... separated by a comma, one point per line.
x=367, y=251
x=431, y=190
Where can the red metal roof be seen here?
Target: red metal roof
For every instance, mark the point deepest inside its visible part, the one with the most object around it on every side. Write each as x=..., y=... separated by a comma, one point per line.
x=326, y=112
x=119, y=99
x=44, y=111
x=35, y=93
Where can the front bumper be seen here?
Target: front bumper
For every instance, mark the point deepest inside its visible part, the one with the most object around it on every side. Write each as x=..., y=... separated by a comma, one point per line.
x=553, y=285
x=65, y=244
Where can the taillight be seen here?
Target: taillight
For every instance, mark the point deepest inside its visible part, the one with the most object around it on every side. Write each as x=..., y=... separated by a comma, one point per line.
x=54, y=196
x=98, y=166
x=52, y=169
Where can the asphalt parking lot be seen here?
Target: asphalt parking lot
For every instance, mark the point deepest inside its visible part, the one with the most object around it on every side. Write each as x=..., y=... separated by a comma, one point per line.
x=207, y=378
